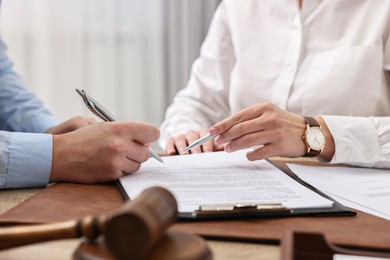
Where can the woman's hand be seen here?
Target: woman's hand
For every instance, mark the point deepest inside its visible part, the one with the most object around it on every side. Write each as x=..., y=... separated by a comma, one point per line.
x=272, y=130
x=177, y=144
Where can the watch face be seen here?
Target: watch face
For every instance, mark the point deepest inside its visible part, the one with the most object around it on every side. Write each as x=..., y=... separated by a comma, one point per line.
x=315, y=138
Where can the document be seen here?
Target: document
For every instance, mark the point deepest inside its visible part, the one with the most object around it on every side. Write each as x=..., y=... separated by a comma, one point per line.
x=222, y=178
x=365, y=189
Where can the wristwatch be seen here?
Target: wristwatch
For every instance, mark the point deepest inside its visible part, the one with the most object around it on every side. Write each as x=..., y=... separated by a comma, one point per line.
x=314, y=137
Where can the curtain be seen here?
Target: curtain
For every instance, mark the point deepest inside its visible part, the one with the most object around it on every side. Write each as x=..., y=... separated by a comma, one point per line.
x=187, y=23
x=130, y=55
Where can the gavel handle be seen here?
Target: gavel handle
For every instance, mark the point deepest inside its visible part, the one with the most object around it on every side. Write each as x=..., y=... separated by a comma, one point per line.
x=24, y=235
x=19, y=236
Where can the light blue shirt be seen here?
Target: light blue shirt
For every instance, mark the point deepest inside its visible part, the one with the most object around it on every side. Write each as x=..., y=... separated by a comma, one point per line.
x=25, y=151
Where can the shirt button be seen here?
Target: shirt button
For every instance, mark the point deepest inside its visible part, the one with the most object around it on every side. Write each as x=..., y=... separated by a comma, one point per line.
x=347, y=152
x=294, y=44
x=291, y=69
x=368, y=154
x=295, y=20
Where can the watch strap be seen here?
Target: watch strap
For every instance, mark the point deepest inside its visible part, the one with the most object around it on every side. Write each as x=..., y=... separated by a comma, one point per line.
x=311, y=121
x=312, y=153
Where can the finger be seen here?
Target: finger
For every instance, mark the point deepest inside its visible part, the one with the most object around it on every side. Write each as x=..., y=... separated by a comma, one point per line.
x=248, y=141
x=208, y=146
x=77, y=122
x=218, y=148
x=170, y=147
x=91, y=121
x=130, y=166
x=140, y=132
x=138, y=153
x=241, y=129
x=242, y=116
x=264, y=152
x=192, y=137
x=181, y=144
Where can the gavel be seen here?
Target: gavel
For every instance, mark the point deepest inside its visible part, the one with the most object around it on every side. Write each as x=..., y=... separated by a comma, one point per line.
x=130, y=233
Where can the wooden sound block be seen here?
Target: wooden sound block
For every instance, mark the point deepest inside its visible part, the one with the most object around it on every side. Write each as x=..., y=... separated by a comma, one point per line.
x=172, y=245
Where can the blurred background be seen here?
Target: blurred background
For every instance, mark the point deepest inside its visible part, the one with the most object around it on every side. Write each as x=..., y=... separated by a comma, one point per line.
x=130, y=55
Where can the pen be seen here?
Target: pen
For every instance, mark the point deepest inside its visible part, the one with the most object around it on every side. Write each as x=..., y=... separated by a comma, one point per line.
x=103, y=113
x=200, y=141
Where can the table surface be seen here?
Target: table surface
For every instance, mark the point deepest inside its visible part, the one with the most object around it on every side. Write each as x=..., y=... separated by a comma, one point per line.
x=63, y=249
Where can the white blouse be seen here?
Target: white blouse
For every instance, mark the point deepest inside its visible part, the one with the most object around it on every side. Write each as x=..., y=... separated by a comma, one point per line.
x=330, y=58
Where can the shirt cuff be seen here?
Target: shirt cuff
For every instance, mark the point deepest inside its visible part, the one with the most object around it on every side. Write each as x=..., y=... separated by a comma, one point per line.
x=29, y=160
x=356, y=140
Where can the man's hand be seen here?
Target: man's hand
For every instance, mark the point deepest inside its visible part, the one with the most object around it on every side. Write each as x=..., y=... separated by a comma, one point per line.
x=71, y=125
x=177, y=144
x=101, y=152
x=276, y=131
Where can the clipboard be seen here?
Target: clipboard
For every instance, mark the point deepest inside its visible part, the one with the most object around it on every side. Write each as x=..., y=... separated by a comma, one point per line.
x=240, y=211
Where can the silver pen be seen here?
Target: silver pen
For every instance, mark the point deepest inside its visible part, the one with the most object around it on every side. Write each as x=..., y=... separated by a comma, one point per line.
x=103, y=113
x=200, y=141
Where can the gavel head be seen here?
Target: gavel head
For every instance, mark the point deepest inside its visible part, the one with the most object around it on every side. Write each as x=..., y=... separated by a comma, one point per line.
x=132, y=232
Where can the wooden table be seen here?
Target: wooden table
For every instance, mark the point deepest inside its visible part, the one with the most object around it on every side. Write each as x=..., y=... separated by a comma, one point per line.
x=364, y=230
x=64, y=249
